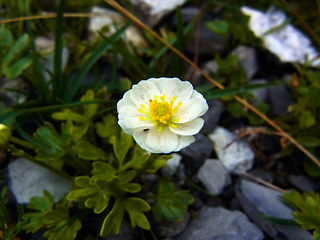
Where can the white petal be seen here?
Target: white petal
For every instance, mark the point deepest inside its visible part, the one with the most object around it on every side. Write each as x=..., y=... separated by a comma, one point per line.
x=192, y=109
x=188, y=128
x=182, y=90
x=142, y=92
x=130, y=116
x=140, y=137
x=184, y=141
x=126, y=130
x=163, y=142
x=126, y=100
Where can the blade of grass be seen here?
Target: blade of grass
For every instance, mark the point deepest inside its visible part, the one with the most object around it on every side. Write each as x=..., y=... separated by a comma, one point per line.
x=39, y=81
x=97, y=53
x=57, y=76
x=232, y=91
x=217, y=84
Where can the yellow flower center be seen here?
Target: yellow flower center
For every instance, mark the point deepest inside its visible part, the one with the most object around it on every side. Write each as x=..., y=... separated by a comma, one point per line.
x=160, y=111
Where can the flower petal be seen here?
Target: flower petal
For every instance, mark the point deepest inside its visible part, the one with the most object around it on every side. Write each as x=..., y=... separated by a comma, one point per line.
x=126, y=100
x=163, y=142
x=142, y=92
x=188, y=128
x=192, y=109
x=184, y=141
x=140, y=137
x=182, y=90
x=130, y=117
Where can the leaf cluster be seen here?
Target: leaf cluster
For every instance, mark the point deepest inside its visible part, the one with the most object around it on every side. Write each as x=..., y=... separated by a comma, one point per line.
x=306, y=209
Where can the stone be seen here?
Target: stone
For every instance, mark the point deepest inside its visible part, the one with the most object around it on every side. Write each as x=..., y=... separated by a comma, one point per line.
x=198, y=151
x=247, y=59
x=150, y=12
x=109, y=22
x=261, y=94
x=214, y=176
x=220, y=224
x=125, y=233
x=258, y=200
x=287, y=42
x=280, y=99
x=45, y=48
x=303, y=183
x=27, y=180
x=172, y=164
x=212, y=116
x=238, y=157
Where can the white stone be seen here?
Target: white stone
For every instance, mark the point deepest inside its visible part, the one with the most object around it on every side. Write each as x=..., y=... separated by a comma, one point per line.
x=28, y=179
x=238, y=157
x=287, y=42
x=114, y=21
x=214, y=176
x=172, y=164
x=156, y=9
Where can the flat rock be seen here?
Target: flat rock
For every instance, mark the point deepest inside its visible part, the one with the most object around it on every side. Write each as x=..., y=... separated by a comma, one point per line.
x=280, y=99
x=27, y=179
x=172, y=164
x=220, y=224
x=151, y=11
x=258, y=200
x=238, y=157
x=214, y=176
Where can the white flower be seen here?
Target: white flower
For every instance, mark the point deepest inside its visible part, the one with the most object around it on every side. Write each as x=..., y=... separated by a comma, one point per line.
x=162, y=114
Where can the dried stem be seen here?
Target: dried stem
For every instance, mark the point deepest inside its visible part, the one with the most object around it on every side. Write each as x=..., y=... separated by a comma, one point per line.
x=217, y=84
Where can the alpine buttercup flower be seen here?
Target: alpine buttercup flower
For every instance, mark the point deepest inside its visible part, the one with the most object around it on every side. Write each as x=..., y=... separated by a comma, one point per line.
x=162, y=114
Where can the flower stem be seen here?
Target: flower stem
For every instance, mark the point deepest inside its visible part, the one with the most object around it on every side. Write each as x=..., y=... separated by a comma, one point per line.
x=22, y=142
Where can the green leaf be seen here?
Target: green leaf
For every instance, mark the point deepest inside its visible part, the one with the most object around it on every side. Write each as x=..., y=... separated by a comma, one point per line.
x=218, y=26
x=308, y=208
x=67, y=114
x=311, y=168
x=88, y=151
x=102, y=171
x=17, y=67
x=309, y=141
x=108, y=127
x=139, y=157
x=112, y=222
x=5, y=37
x=121, y=145
x=42, y=205
x=16, y=50
x=157, y=162
x=89, y=109
x=170, y=203
x=236, y=109
x=135, y=208
x=64, y=230
x=306, y=119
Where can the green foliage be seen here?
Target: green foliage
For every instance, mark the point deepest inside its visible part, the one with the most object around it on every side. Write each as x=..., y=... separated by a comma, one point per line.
x=170, y=203
x=12, y=58
x=307, y=209
x=220, y=27
x=8, y=229
x=54, y=218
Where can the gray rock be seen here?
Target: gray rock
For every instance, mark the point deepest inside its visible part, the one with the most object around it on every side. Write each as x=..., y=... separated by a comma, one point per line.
x=214, y=176
x=280, y=99
x=260, y=95
x=303, y=183
x=172, y=164
x=248, y=59
x=151, y=11
x=125, y=233
x=258, y=200
x=212, y=116
x=220, y=224
x=198, y=151
x=28, y=179
x=237, y=157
